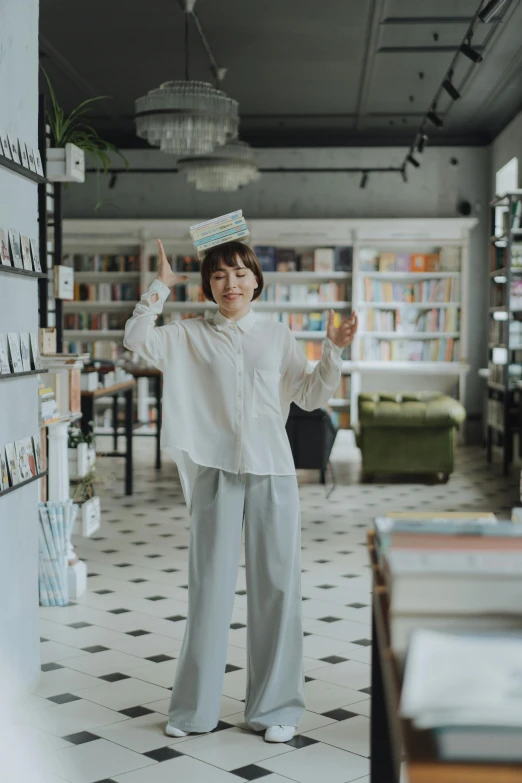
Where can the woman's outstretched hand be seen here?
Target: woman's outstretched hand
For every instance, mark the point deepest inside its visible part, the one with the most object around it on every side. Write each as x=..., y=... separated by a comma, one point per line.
x=165, y=273
x=343, y=335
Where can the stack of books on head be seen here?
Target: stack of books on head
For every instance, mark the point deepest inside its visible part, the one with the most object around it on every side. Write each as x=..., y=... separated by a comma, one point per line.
x=450, y=574
x=225, y=228
x=467, y=690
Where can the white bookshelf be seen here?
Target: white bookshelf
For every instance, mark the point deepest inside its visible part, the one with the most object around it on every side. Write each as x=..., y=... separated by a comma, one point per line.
x=421, y=235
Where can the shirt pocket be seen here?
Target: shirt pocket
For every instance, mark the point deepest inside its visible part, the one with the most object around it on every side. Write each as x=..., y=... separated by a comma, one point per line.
x=266, y=402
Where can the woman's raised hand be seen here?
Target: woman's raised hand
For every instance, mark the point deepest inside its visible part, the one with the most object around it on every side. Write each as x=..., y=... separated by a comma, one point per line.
x=165, y=273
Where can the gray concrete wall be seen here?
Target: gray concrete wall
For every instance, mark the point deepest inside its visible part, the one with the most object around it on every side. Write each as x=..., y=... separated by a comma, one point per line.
x=507, y=145
x=19, y=635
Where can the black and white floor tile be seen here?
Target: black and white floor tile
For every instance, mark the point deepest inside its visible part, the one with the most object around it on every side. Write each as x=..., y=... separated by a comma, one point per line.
x=108, y=659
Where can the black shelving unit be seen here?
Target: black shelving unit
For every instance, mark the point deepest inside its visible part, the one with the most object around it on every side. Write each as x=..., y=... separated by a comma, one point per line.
x=8, y=375
x=14, y=270
x=503, y=410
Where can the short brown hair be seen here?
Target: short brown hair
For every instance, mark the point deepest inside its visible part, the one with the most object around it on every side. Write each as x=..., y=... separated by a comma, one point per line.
x=228, y=252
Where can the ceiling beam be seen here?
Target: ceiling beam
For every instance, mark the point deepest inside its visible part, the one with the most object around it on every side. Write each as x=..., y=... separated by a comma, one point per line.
x=372, y=32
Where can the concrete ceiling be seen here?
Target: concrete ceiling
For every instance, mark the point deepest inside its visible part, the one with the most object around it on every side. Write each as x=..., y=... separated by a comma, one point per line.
x=305, y=73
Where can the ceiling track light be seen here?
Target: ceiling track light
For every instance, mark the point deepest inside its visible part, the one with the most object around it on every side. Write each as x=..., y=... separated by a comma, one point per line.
x=490, y=9
x=413, y=161
x=435, y=119
x=471, y=53
x=404, y=173
x=450, y=89
x=421, y=142
x=364, y=180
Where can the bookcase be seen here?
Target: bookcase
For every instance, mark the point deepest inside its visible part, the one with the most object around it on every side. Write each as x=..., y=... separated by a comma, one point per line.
x=423, y=349
x=504, y=324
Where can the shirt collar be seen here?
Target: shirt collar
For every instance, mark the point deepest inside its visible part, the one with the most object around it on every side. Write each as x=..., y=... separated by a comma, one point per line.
x=244, y=323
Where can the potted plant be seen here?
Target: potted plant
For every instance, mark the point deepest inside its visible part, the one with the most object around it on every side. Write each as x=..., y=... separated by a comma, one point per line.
x=72, y=137
x=90, y=511
x=81, y=451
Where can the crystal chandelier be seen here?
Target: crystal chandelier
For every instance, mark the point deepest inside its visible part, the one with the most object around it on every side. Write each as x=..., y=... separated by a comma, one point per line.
x=187, y=117
x=226, y=168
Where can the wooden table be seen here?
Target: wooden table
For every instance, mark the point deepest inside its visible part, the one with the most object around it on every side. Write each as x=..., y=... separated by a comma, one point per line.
x=151, y=372
x=390, y=736
x=126, y=388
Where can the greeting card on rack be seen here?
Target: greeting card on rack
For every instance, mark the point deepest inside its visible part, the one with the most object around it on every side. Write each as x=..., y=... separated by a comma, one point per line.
x=26, y=253
x=38, y=453
x=29, y=453
x=30, y=158
x=23, y=154
x=22, y=459
x=4, y=476
x=35, y=352
x=16, y=253
x=5, y=258
x=12, y=464
x=25, y=351
x=4, y=357
x=38, y=162
x=35, y=255
x=5, y=144
x=14, y=350
x=13, y=146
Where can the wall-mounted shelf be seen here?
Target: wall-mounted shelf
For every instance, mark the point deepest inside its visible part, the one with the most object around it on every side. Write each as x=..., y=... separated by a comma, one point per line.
x=14, y=270
x=8, y=375
x=23, y=483
x=21, y=170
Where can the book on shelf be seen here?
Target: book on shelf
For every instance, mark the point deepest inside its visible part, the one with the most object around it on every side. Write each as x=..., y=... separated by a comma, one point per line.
x=4, y=475
x=4, y=145
x=5, y=368
x=286, y=259
x=25, y=351
x=103, y=262
x=444, y=290
x=446, y=349
x=266, y=256
x=12, y=464
x=13, y=340
x=324, y=259
x=5, y=257
x=474, y=706
x=16, y=252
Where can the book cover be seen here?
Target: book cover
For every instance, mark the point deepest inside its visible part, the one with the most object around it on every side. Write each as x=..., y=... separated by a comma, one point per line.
x=266, y=255
x=4, y=356
x=35, y=255
x=35, y=352
x=26, y=252
x=14, y=351
x=368, y=259
x=5, y=257
x=306, y=262
x=12, y=464
x=418, y=262
x=4, y=476
x=286, y=259
x=323, y=259
x=220, y=219
x=22, y=459
x=432, y=262
x=16, y=252
x=402, y=262
x=38, y=453
x=23, y=154
x=5, y=145
x=25, y=351
x=30, y=158
x=343, y=259
x=13, y=146
x=387, y=262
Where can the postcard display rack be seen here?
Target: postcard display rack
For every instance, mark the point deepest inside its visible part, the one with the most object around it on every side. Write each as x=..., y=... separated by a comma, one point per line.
x=413, y=321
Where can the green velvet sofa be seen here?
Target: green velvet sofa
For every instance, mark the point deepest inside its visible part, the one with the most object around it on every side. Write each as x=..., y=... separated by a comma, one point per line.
x=409, y=432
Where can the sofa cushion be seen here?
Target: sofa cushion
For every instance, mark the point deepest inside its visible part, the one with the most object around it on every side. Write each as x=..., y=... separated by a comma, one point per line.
x=409, y=409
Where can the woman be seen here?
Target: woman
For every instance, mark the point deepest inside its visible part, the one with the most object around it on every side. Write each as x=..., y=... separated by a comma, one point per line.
x=228, y=383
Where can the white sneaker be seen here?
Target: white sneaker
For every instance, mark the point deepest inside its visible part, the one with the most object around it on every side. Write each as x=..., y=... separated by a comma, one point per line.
x=279, y=733
x=172, y=731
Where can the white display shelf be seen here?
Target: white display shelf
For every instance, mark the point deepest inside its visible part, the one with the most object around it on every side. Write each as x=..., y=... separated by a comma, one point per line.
x=106, y=277
x=394, y=305
x=97, y=307
x=428, y=368
x=271, y=277
x=87, y=335
x=408, y=276
x=260, y=307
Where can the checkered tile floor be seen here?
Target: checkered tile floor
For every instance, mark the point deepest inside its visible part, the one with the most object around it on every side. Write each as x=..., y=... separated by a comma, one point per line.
x=108, y=660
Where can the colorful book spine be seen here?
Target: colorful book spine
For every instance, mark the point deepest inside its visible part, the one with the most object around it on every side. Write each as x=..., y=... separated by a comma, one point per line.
x=221, y=219
x=219, y=241
x=217, y=228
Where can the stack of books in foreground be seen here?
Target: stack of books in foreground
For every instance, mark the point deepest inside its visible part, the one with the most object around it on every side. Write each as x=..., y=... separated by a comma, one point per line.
x=466, y=689
x=225, y=228
x=450, y=574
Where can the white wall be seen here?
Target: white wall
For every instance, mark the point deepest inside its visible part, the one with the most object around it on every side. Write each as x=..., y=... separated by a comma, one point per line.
x=19, y=635
x=507, y=145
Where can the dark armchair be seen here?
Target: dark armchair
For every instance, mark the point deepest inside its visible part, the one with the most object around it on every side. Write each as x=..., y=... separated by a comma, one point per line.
x=311, y=435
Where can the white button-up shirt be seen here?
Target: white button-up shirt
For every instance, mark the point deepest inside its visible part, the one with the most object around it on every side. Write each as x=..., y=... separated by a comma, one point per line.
x=227, y=387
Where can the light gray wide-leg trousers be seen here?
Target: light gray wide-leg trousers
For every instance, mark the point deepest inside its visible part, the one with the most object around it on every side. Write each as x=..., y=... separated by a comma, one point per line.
x=275, y=679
